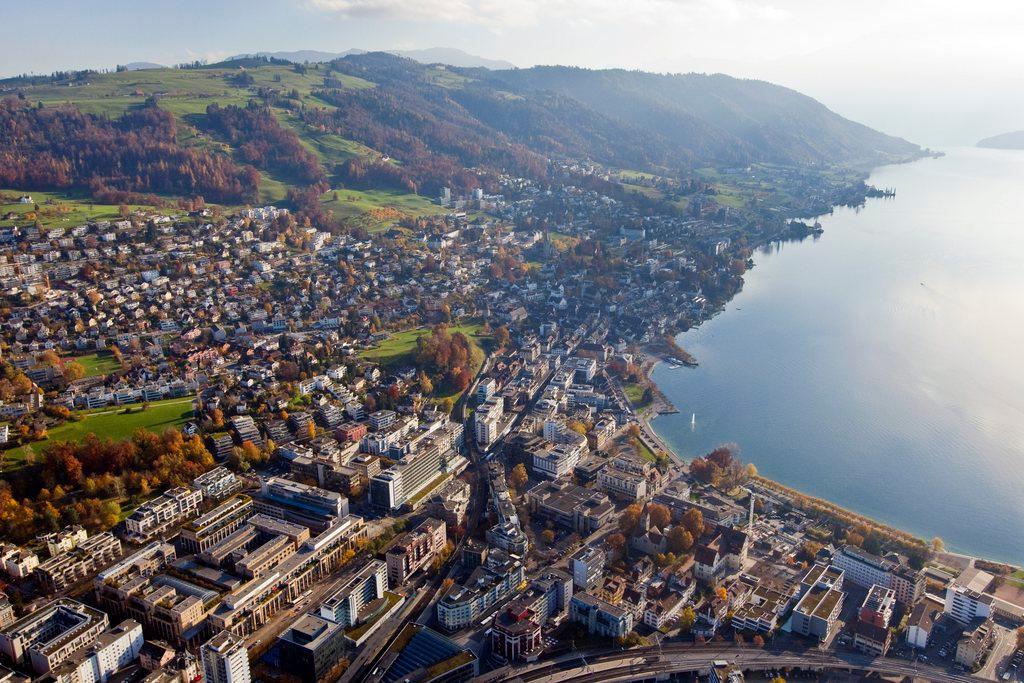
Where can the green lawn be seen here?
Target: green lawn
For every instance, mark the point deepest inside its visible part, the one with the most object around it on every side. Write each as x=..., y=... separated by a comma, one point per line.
x=98, y=364
x=110, y=422
x=377, y=210
x=428, y=489
x=356, y=632
x=55, y=208
x=397, y=349
x=635, y=394
x=645, y=452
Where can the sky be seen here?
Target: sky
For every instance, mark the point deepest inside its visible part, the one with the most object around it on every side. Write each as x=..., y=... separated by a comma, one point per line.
x=937, y=72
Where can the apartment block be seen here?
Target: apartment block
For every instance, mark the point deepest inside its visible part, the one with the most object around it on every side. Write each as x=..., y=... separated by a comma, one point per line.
x=62, y=571
x=48, y=637
x=365, y=586
x=208, y=530
x=161, y=514
x=415, y=551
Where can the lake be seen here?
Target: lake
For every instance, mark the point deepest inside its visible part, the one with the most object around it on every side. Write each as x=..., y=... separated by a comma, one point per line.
x=880, y=365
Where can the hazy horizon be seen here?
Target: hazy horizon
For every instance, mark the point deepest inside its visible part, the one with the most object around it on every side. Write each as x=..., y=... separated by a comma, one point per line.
x=937, y=76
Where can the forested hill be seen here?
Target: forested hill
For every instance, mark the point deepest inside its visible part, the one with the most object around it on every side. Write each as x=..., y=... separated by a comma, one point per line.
x=717, y=117
x=262, y=129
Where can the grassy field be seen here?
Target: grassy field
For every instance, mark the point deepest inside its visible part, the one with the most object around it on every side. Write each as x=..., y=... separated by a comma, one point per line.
x=397, y=349
x=377, y=210
x=111, y=423
x=635, y=394
x=55, y=208
x=98, y=364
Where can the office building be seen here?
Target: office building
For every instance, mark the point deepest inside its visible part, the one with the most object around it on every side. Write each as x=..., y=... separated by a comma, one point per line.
x=871, y=633
x=311, y=647
x=299, y=503
x=423, y=655
x=516, y=634
x=821, y=601
x=863, y=569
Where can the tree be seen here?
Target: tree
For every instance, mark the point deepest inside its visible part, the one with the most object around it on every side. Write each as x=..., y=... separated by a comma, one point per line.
x=110, y=513
x=548, y=536
x=617, y=542
x=938, y=545
x=502, y=337
x=679, y=539
x=686, y=619
x=758, y=641
x=73, y=371
x=660, y=515
x=519, y=476
x=693, y=521
x=426, y=386
x=630, y=518
x=808, y=551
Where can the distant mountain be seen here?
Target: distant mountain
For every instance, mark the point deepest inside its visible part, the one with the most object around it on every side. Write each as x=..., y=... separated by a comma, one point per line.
x=1014, y=140
x=142, y=66
x=433, y=55
x=628, y=119
x=718, y=116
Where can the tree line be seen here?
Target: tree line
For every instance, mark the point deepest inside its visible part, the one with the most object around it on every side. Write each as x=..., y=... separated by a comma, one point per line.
x=116, y=160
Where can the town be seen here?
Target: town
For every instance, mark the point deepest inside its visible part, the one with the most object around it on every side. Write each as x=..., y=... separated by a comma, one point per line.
x=241, y=447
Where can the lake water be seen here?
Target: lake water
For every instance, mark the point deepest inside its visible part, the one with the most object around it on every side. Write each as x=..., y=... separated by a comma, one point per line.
x=881, y=366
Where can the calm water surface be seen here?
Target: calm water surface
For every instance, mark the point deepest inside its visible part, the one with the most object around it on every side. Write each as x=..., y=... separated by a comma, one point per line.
x=882, y=365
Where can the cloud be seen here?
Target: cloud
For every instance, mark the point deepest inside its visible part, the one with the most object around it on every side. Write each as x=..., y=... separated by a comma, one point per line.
x=522, y=13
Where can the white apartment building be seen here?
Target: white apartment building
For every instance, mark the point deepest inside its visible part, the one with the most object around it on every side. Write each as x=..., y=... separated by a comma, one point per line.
x=225, y=659
x=162, y=513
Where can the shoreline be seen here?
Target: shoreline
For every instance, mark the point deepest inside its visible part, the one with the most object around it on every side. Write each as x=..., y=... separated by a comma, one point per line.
x=814, y=505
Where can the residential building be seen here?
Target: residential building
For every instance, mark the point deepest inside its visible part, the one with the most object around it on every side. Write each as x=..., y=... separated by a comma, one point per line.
x=489, y=584
x=974, y=644
x=225, y=659
x=50, y=635
x=599, y=616
x=366, y=585
x=62, y=571
x=19, y=563
x=966, y=604
x=162, y=513
x=587, y=566
x=112, y=651
x=415, y=551
x=217, y=483
x=922, y=620
x=209, y=529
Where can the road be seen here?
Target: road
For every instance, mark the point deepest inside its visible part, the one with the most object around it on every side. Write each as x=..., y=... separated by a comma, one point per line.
x=627, y=665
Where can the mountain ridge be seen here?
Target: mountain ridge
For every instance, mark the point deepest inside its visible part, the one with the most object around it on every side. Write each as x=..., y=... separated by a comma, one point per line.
x=432, y=55
x=1011, y=140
